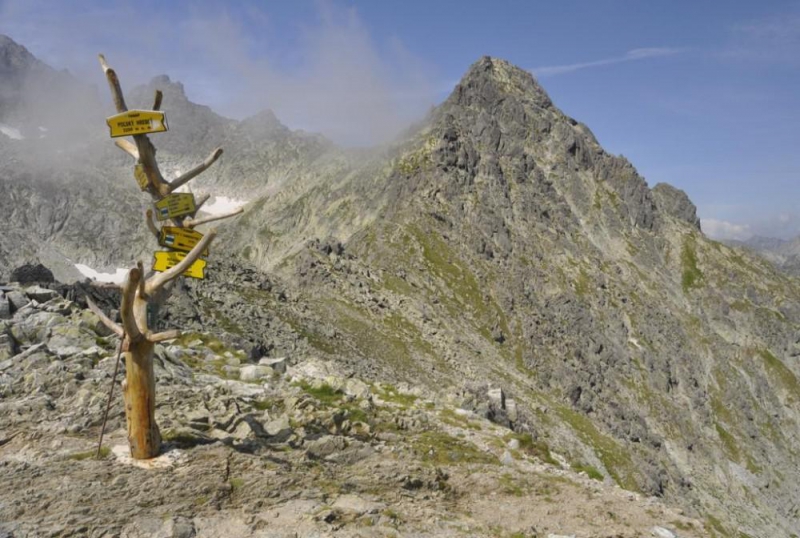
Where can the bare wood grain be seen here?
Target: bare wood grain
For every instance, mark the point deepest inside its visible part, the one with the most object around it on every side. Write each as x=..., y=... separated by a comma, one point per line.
x=104, y=319
x=197, y=170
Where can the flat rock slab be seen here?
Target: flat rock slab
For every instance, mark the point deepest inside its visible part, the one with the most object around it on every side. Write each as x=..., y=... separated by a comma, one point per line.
x=357, y=505
x=170, y=458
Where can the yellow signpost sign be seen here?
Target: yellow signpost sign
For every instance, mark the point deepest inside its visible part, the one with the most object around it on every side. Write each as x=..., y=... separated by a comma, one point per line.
x=182, y=239
x=175, y=205
x=136, y=122
x=141, y=177
x=165, y=260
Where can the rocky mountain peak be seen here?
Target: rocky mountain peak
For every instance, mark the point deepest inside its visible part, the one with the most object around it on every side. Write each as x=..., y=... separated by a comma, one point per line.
x=489, y=80
x=173, y=90
x=14, y=56
x=675, y=202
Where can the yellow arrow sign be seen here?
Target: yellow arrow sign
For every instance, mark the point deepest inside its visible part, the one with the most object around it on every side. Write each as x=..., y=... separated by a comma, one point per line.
x=175, y=205
x=136, y=122
x=165, y=260
x=141, y=177
x=180, y=238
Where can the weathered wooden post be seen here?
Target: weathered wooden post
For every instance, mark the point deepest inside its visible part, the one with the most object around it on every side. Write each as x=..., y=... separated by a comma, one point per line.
x=186, y=247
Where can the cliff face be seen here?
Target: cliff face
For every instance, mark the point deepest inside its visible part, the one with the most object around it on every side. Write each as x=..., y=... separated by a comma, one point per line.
x=496, y=242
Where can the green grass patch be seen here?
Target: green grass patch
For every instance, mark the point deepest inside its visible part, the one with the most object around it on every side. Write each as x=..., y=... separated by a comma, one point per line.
x=439, y=448
x=582, y=283
x=779, y=372
x=90, y=454
x=450, y=417
x=691, y=276
x=510, y=485
x=536, y=448
x=324, y=393
x=729, y=445
x=267, y=404
x=591, y=472
x=389, y=393
x=615, y=459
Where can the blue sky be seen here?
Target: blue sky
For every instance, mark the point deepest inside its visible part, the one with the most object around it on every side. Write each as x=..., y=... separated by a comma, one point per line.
x=702, y=95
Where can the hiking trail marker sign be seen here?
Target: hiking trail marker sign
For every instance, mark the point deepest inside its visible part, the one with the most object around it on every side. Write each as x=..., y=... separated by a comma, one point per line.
x=137, y=122
x=183, y=239
x=164, y=260
x=175, y=205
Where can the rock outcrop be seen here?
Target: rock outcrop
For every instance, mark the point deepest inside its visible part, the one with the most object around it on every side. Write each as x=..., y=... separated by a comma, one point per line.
x=309, y=451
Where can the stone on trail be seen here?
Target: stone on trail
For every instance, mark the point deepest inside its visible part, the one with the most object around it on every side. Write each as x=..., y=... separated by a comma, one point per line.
x=277, y=364
x=661, y=532
x=497, y=397
x=5, y=307
x=325, y=446
x=40, y=294
x=254, y=372
x=279, y=428
x=17, y=300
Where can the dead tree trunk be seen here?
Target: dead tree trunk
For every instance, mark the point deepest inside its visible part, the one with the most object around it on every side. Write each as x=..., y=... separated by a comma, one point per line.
x=139, y=342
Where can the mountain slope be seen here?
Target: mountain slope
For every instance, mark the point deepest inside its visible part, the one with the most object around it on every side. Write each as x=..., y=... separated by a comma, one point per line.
x=502, y=243
x=783, y=254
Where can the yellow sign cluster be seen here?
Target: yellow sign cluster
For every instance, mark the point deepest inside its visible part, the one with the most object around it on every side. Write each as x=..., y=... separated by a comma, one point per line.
x=175, y=205
x=182, y=239
x=165, y=260
x=137, y=122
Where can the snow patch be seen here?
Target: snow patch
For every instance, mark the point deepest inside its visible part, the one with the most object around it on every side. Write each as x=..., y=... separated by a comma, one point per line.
x=222, y=204
x=117, y=278
x=11, y=132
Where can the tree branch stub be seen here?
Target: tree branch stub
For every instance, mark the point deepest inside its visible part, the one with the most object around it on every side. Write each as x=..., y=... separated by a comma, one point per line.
x=127, y=313
x=127, y=147
x=194, y=172
x=104, y=319
x=151, y=224
x=191, y=223
x=157, y=100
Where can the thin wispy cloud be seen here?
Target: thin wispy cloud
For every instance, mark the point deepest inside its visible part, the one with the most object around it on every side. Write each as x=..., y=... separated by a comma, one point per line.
x=630, y=56
x=722, y=229
x=769, y=41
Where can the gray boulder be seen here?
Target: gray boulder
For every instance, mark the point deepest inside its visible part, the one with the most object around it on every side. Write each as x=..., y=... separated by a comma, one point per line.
x=17, y=300
x=5, y=307
x=277, y=364
x=254, y=372
x=40, y=294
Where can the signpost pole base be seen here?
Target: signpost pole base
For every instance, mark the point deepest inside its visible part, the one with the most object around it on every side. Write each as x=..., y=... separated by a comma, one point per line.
x=140, y=401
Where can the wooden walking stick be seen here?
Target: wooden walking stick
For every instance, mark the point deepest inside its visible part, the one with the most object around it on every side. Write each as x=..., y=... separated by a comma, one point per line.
x=186, y=247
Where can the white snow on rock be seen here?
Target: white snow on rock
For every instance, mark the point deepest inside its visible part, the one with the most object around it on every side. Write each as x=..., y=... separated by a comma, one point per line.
x=222, y=204
x=11, y=132
x=118, y=277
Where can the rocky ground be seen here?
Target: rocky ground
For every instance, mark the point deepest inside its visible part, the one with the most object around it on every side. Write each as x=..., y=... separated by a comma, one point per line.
x=291, y=446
